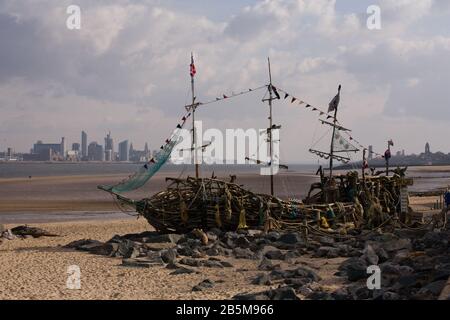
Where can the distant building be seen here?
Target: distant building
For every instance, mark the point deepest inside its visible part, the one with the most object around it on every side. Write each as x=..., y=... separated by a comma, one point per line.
x=95, y=152
x=84, y=151
x=427, y=149
x=63, y=148
x=76, y=147
x=124, y=151
x=47, y=151
x=109, y=148
x=370, y=153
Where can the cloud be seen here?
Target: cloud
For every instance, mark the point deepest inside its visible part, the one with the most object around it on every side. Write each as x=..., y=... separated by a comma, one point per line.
x=127, y=68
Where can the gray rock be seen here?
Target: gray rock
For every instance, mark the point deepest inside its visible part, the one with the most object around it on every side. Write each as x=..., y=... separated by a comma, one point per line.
x=326, y=241
x=185, y=250
x=396, y=245
x=278, y=274
x=265, y=265
x=242, y=242
x=408, y=281
x=132, y=253
x=240, y=253
x=169, y=256
x=205, y=284
x=297, y=282
x=212, y=252
x=329, y=252
x=307, y=272
x=142, y=262
x=356, y=271
x=274, y=255
x=197, y=254
x=389, y=295
x=262, y=280
x=254, y=233
x=212, y=237
x=273, y=236
x=283, y=293
x=226, y=264
x=182, y=270
x=290, y=238
x=125, y=249
x=191, y=262
x=107, y=249
x=172, y=266
x=84, y=245
x=370, y=255
x=435, y=288
x=212, y=264
x=290, y=255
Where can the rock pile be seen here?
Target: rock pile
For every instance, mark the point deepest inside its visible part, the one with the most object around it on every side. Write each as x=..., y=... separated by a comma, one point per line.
x=414, y=265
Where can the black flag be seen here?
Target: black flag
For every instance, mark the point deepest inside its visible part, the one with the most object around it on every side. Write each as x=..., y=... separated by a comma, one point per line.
x=335, y=102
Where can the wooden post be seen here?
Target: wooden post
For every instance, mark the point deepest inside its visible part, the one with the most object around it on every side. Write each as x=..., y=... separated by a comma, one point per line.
x=364, y=166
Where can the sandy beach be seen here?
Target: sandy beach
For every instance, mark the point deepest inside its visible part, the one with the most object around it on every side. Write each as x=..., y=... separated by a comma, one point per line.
x=37, y=269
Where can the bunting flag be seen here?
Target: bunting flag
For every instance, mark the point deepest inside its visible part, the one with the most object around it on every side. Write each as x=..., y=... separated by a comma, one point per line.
x=193, y=71
x=179, y=126
x=225, y=97
x=300, y=102
x=333, y=105
x=275, y=91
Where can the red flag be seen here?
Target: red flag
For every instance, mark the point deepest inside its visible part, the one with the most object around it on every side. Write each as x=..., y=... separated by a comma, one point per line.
x=193, y=71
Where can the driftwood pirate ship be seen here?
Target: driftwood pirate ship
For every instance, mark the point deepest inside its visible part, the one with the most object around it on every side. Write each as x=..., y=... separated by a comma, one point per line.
x=337, y=202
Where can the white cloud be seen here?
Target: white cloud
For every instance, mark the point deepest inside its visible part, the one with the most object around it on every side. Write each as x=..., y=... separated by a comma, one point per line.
x=127, y=69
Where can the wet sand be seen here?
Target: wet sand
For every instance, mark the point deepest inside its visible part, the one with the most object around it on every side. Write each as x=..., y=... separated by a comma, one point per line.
x=78, y=197
x=37, y=269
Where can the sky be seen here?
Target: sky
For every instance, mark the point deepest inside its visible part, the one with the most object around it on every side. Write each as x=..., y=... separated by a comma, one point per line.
x=127, y=69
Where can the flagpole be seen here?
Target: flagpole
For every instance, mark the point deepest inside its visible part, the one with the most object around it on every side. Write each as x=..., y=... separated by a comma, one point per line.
x=270, y=128
x=194, y=138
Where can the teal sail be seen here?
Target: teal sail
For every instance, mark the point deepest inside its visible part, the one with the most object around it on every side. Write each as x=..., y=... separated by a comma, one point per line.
x=140, y=178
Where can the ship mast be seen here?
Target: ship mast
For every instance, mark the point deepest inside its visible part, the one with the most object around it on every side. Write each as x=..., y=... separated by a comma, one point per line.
x=270, y=127
x=332, y=137
x=193, y=108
